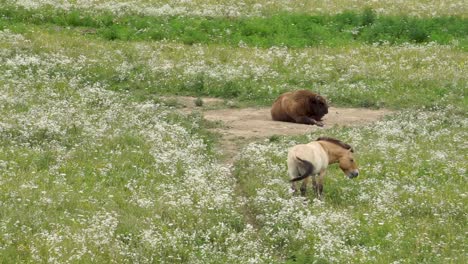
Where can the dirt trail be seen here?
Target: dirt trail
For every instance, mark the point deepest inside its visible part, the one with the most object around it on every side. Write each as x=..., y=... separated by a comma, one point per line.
x=243, y=125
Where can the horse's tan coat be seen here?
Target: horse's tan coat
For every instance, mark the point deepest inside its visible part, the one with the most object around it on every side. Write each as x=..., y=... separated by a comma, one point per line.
x=312, y=152
x=320, y=154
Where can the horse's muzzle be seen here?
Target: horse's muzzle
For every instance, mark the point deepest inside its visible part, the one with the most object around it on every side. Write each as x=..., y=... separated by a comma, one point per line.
x=353, y=174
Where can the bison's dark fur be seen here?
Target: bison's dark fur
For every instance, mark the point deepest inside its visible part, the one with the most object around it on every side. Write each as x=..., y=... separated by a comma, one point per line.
x=302, y=106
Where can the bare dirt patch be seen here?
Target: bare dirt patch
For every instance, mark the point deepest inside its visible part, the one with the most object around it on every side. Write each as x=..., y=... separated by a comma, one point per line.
x=257, y=122
x=243, y=125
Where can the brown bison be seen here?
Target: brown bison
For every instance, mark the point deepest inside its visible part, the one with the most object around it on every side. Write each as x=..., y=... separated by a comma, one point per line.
x=302, y=106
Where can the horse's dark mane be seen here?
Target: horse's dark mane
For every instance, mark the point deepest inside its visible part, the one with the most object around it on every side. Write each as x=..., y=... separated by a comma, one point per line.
x=336, y=142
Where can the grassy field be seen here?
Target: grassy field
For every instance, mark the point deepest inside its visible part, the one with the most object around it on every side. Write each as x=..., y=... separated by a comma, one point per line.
x=283, y=29
x=96, y=167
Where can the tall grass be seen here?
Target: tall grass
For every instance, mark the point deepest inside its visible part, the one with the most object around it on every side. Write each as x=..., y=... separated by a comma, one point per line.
x=405, y=76
x=291, y=30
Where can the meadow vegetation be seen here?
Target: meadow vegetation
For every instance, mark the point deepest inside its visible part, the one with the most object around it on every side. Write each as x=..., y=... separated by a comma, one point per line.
x=226, y=8
x=283, y=29
x=364, y=76
x=96, y=167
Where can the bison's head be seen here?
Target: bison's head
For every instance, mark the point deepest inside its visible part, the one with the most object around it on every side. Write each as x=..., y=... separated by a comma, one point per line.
x=318, y=107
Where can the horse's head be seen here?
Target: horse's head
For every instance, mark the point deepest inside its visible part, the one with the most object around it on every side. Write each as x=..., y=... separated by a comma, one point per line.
x=348, y=164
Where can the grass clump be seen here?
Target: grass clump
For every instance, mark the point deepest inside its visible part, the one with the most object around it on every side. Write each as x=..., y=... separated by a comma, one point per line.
x=198, y=102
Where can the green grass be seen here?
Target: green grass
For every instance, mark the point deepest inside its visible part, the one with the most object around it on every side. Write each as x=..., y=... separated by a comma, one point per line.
x=290, y=30
x=359, y=76
x=345, y=81
x=96, y=166
x=407, y=203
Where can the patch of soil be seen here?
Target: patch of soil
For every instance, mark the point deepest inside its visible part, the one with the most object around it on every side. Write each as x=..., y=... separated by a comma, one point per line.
x=245, y=125
x=257, y=122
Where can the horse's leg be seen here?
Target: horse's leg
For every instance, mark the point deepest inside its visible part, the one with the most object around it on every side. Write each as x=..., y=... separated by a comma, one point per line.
x=314, y=184
x=294, y=187
x=293, y=173
x=319, y=187
x=304, y=186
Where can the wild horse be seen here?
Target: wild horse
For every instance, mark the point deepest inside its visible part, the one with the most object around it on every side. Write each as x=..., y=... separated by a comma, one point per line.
x=312, y=159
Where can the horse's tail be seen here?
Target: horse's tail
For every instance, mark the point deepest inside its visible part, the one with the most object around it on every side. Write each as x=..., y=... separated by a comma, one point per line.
x=309, y=169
